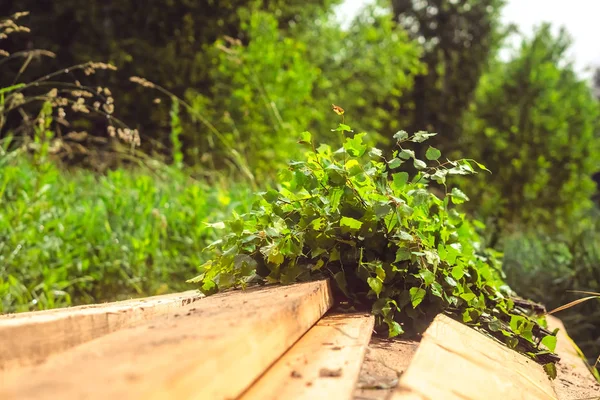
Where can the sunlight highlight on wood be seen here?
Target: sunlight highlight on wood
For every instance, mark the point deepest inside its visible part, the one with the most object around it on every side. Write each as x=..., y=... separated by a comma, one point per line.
x=213, y=349
x=456, y=362
x=29, y=338
x=325, y=362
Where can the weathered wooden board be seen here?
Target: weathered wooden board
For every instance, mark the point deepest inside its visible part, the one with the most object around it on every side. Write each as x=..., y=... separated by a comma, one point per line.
x=29, y=338
x=454, y=361
x=324, y=363
x=213, y=349
x=574, y=380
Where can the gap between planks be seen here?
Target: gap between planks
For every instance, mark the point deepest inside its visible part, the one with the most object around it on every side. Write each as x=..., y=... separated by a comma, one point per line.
x=29, y=338
x=215, y=349
x=324, y=363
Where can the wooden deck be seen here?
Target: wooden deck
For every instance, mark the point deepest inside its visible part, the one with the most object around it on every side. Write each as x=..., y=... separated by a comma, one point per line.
x=277, y=342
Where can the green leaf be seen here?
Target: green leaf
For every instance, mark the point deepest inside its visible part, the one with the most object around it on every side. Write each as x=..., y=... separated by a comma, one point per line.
x=427, y=276
x=375, y=284
x=399, y=181
x=394, y=163
x=343, y=127
x=305, y=138
x=196, y=279
x=482, y=167
x=401, y=135
x=458, y=272
x=495, y=325
x=436, y=289
x=458, y=196
x=422, y=136
x=402, y=255
x=416, y=296
x=450, y=281
x=550, y=369
x=349, y=224
x=404, y=236
x=394, y=329
x=550, y=342
x=419, y=164
x=433, y=153
x=355, y=145
x=406, y=154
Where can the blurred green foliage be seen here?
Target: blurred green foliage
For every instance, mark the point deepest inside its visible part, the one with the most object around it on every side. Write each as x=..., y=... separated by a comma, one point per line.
x=547, y=268
x=163, y=41
x=72, y=237
x=536, y=125
x=459, y=38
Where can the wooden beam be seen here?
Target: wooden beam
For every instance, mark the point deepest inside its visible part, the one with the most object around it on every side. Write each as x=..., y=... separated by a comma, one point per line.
x=574, y=380
x=29, y=338
x=324, y=363
x=213, y=349
x=456, y=362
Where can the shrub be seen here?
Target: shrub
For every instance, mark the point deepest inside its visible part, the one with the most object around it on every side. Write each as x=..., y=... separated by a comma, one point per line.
x=387, y=242
x=548, y=268
x=535, y=123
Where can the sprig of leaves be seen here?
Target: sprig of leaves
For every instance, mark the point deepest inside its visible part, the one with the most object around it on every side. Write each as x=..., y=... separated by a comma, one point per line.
x=386, y=240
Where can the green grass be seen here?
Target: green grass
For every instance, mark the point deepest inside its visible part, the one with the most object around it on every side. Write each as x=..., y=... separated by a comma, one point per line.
x=78, y=237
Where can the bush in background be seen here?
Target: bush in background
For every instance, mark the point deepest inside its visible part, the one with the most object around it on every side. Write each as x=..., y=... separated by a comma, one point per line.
x=535, y=124
x=546, y=268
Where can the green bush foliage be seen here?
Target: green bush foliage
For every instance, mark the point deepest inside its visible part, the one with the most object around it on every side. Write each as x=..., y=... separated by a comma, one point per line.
x=273, y=85
x=535, y=123
x=548, y=268
x=386, y=241
x=73, y=237
x=166, y=42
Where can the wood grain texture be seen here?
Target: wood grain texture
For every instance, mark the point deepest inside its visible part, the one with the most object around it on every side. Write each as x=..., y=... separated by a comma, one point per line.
x=324, y=363
x=574, y=380
x=29, y=338
x=213, y=349
x=455, y=362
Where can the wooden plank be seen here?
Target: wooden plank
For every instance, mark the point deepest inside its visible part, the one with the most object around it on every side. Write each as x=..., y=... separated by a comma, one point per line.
x=29, y=338
x=455, y=362
x=574, y=380
x=214, y=349
x=324, y=363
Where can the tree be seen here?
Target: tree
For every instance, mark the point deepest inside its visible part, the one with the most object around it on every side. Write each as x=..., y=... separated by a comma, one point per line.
x=280, y=82
x=458, y=38
x=535, y=123
x=163, y=41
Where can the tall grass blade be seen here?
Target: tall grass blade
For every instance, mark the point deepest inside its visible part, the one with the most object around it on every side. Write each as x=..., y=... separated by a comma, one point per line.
x=573, y=303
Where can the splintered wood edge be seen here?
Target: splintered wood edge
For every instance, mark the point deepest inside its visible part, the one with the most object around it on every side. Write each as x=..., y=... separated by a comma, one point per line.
x=325, y=362
x=214, y=349
x=29, y=338
x=454, y=361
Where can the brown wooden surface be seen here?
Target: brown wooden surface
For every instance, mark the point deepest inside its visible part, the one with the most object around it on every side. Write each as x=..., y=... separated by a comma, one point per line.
x=574, y=380
x=29, y=338
x=324, y=363
x=454, y=361
x=213, y=349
